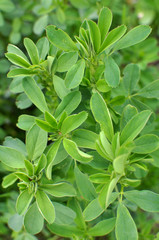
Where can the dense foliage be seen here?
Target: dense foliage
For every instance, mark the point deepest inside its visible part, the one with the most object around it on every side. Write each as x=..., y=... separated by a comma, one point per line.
x=89, y=95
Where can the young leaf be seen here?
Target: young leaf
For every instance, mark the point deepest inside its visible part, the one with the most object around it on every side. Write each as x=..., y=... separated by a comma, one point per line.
x=69, y=103
x=35, y=94
x=51, y=120
x=62, y=189
x=102, y=114
x=23, y=201
x=72, y=149
x=33, y=220
x=66, y=61
x=29, y=167
x=134, y=126
x=150, y=91
x=9, y=180
x=17, y=60
x=72, y=122
x=134, y=36
x=36, y=141
x=14, y=49
x=94, y=35
x=102, y=228
x=84, y=185
x=104, y=22
x=20, y=72
x=85, y=138
x=125, y=228
x=75, y=74
x=146, y=200
x=60, y=39
x=51, y=157
x=45, y=206
x=146, y=144
x=119, y=163
x=44, y=125
x=112, y=72
x=41, y=164
x=32, y=50
x=11, y=157
x=60, y=87
x=131, y=77
x=112, y=37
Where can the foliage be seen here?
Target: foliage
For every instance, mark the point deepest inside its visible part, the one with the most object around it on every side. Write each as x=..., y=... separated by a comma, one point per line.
x=95, y=133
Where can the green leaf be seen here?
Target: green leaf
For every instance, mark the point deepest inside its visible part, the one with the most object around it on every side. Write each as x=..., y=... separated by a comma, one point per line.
x=75, y=206
x=85, y=138
x=84, y=185
x=60, y=39
x=146, y=200
x=94, y=35
x=51, y=120
x=33, y=221
x=62, y=189
x=32, y=50
x=134, y=36
x=20, y=72
x=150, y=91
x=104, y=22
x=134, y=126
x=41, y=164
x=125, y=228
x=99, y=178
x=69, y=103
x=72, y=149
x=112, y=72
x=45, y=206
x=61, y=154
x=64, y=214
x=75, y=74
x=65, y=230
x=119, y=163
x=102, y=228
x=23, y=201
x=15, y=222
x=16, y=144
x=11, y=157
x=66, y=61
x=36, y=141
x=29, y=167
x=9, y=180
x=44, y=125
x=93, y=210
x=7, y=6
x=131, y=77
x=22, y=176
x=34, y=94
x=40, y=24
x=112, y=37
x=60, y=87
x=17, y=60
x=51, y=157
x=128, y=112
x=43, y=47
x=25, y=122
x=14, y=49
x=146, y=144
x=72, y=122
x=102, y=114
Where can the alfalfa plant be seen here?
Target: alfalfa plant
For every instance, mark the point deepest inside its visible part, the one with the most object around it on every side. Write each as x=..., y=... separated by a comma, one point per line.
x=90, y=143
